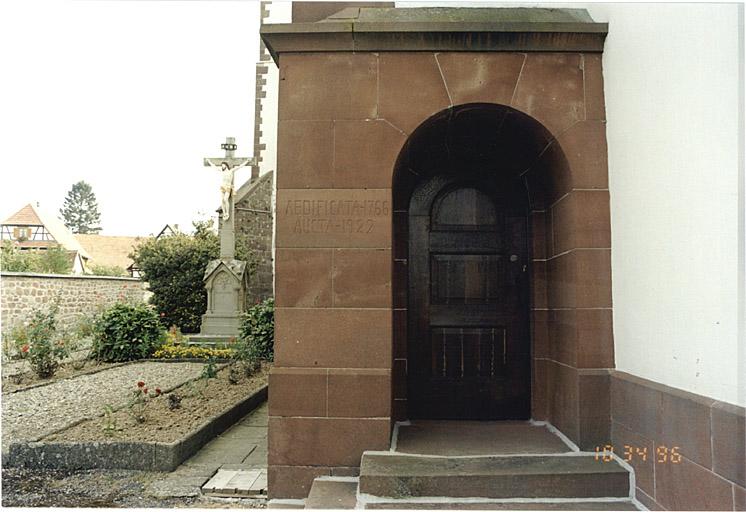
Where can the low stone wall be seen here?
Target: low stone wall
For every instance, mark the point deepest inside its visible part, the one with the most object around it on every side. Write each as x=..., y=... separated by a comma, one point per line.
x=687, y=450
x=145, y=456
x=21, y=293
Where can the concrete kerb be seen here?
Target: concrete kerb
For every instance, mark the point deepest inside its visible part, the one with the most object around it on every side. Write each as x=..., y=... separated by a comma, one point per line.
x=145, y=456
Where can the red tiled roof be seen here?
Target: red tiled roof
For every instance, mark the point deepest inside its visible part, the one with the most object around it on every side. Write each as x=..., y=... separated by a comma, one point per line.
x=109, y=250
x=26, y=216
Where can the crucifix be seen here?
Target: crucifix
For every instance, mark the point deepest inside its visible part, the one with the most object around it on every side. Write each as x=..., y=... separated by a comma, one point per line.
x=228, y=165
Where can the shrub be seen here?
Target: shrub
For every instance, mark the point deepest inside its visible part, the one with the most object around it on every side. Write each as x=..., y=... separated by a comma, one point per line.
x=42, y=351
x=107, y=270
x=174, y=267
x=48, y=261
x=85, y=325
x=192, y=352
x=258, y=331
x=14, y=342
x=210, y=370
x=174, y=337
x=125, y=332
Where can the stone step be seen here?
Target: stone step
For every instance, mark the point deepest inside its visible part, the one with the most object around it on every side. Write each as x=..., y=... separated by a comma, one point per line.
x=332, y=493
x=395, y=475
x=622, y=504
x=286, y=504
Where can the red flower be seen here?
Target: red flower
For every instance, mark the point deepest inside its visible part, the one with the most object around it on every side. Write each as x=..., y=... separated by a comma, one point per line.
x=145, y=390
x=24, y=349
x=157, y=391
x=140, y=384
x=163, y=314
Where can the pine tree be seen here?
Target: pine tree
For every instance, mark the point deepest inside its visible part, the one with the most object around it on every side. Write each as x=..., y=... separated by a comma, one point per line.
x=80, y=210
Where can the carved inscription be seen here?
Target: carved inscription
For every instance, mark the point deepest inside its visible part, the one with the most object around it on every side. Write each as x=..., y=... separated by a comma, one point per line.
x=335, y=216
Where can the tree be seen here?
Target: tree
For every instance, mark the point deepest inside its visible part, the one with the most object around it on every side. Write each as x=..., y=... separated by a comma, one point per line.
x=80, y=210
x=174, y=266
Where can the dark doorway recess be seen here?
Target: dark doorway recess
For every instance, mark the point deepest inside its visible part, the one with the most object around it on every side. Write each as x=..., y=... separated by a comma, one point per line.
x=468, y=343
x=463, y=192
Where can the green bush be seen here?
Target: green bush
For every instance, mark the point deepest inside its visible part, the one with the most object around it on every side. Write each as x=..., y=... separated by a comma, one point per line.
x=174, y=267
x=258, y=332
x=125, y=332
x=48, y=261
x=13, y=342
x=35, y=341
x=107, y=270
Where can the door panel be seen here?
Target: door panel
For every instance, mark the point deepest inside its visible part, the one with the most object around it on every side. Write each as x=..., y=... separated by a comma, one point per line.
x=468, y=337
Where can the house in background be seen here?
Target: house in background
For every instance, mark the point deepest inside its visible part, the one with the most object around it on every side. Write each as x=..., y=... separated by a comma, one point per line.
x=111, y=251
x=168, y=230
x=31, y=228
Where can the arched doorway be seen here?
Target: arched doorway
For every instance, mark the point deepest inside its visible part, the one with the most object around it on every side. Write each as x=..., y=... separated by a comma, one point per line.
x=469, y=186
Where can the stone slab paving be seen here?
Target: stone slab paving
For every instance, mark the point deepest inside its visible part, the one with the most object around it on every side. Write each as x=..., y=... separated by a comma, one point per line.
x=33, y=413
x=241, y=449
x=330, y=493
x=229, y=483
x=434, y=437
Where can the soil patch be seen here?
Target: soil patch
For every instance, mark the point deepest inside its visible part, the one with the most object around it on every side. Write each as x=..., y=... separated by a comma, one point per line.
x=98, y=488
x=28, y=379
x=200, y=401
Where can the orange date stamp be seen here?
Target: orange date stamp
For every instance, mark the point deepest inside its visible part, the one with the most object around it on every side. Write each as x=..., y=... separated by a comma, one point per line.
x=661, y=455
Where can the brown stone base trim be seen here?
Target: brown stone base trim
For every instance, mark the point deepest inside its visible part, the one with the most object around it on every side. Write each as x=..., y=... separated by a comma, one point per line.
x=294, y=482
x=688, y=450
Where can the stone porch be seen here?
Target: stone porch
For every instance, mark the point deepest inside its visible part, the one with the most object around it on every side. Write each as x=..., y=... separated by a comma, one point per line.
x=479, y=465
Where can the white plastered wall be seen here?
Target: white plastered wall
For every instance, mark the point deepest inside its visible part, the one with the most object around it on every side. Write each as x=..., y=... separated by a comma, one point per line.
x=671, y=80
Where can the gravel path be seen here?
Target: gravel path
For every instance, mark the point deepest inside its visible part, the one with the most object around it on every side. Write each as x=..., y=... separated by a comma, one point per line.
x=17, y=367
x=39, y=411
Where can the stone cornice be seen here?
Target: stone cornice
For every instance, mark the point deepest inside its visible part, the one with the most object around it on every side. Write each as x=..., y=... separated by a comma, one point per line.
x=449, y=29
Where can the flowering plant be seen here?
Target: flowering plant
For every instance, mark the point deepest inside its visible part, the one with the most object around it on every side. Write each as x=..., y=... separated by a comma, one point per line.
x=42, y=353
x=138, y=401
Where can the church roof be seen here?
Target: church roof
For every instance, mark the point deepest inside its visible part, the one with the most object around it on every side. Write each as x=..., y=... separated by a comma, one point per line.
x=251, y=185
x=31, y=215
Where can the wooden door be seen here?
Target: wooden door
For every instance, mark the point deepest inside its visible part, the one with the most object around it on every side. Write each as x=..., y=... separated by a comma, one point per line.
x=468, y=336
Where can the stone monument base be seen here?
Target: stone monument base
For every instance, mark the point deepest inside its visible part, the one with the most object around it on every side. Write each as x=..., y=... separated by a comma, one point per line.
x=221, y=324
x=226, y=281
x=211, y=340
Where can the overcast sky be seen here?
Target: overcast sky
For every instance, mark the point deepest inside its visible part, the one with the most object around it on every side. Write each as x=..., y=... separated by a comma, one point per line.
x=128, y=96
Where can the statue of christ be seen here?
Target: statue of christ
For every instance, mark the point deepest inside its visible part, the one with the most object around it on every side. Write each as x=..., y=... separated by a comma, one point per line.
x=226, y=185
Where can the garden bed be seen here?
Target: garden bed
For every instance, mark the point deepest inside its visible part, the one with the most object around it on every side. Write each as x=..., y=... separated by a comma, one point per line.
x=160, y=443
x=26, y=379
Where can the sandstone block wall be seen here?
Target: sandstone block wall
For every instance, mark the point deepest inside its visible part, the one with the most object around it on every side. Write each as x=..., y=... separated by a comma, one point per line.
x=21, y=293
x=344, y=118
x=687, y=450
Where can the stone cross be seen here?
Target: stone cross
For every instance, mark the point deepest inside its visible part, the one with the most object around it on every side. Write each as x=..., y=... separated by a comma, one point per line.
x=227, y=227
